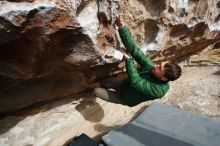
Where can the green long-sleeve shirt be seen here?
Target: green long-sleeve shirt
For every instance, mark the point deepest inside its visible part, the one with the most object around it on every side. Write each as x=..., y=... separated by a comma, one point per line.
x=141, y=85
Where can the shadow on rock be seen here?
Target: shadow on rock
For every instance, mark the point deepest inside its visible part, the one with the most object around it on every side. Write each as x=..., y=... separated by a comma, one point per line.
x=90, y=110
x=137, y=113
x=217, y=73
x=8, y=121
x=103, y=129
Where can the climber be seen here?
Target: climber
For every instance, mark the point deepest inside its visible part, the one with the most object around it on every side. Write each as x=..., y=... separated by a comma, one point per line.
x=147, y=83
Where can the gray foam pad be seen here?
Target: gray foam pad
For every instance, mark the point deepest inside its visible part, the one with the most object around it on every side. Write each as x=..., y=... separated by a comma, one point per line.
x=162, y=125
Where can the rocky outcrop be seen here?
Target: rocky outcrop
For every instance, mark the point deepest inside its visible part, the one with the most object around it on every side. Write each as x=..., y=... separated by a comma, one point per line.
x=172, y=29
x=43, y=55
x=53, y=48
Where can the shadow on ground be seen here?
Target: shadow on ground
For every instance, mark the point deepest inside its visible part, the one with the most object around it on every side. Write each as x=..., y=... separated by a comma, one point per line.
x=8, y=121
x=90, y=110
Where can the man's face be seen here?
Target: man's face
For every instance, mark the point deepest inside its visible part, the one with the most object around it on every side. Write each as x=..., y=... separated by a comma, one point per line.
x=159, y=71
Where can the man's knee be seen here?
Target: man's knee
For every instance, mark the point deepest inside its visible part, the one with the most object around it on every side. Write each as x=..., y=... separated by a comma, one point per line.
x=100, y=92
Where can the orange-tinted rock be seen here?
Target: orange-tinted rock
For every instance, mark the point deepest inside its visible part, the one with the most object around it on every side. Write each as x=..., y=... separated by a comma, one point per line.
x=45, y=59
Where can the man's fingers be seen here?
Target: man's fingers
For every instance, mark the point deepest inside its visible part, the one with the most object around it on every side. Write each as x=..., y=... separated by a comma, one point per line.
x=126, y=56
x=118, y=21
x=123, y=50
x=121, y=64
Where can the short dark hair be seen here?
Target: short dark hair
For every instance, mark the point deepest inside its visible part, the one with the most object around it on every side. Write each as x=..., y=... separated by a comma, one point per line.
x=172, y=71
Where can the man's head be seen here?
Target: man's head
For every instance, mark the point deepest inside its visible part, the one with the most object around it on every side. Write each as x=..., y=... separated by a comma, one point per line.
x=167, y=71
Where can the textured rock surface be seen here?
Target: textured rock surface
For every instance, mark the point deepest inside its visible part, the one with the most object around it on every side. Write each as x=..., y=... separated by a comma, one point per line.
x=172, y=27
x=54, y=124
x=43, y=54
x=53, y=48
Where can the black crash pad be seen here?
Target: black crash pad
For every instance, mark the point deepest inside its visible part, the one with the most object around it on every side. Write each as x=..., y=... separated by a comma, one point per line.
x=163, y=125
x=83, y=140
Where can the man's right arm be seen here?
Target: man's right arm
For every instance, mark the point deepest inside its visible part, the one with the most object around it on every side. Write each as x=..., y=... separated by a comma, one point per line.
x=134, y=50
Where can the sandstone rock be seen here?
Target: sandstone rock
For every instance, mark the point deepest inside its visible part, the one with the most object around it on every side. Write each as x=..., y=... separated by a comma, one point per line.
x=48, y=52
x=154, y=8
x=191, y=20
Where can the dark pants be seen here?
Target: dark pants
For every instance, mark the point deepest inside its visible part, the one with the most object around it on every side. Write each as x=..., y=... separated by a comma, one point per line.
x=110, y=90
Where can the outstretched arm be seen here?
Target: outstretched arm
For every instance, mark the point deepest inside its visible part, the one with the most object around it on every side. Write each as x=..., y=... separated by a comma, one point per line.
x=132, y=48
